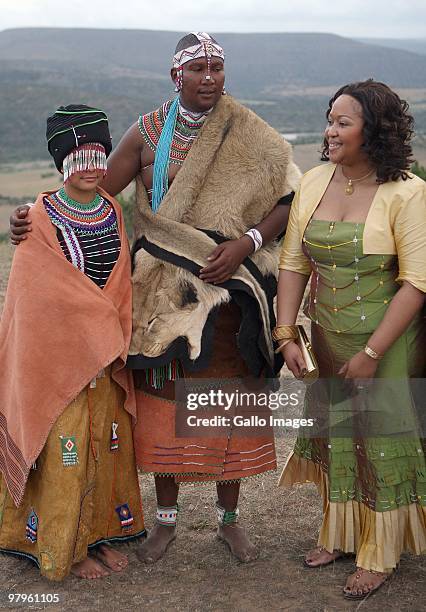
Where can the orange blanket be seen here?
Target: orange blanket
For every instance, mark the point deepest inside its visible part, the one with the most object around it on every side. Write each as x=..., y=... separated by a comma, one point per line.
x=58, y=330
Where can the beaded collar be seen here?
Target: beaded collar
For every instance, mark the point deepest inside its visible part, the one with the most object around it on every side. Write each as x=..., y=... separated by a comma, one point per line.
x=192, y=118
x=74, y=219
x=93, y=219
x=187, y=127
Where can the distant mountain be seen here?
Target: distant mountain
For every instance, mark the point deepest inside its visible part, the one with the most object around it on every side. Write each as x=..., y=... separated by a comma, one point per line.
x=415, y=45
x=286, y=78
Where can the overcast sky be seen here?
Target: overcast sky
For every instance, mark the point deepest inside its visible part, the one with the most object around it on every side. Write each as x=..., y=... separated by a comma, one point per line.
x=362, y=18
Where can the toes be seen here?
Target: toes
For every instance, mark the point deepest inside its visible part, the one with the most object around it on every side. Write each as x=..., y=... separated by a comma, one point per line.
x=312, y=555
x=143, y=555
x=112, y=559
x=100, y=573
x=247, y=556
x=119, y=566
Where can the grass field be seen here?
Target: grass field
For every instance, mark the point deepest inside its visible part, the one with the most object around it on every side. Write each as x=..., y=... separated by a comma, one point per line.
x=5, y=212
x=308, y=155
x=26, y=180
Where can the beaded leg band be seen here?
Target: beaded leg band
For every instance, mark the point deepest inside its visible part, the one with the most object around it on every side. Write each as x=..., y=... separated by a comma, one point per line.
x=167, y=516
x=226, y=517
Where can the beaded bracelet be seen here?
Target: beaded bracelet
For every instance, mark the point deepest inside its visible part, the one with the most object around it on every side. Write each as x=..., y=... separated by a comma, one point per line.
x=256, y=236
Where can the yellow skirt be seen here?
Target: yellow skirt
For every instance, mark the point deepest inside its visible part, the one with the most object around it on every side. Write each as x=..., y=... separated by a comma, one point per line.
x=83, y=490
x=377, y=538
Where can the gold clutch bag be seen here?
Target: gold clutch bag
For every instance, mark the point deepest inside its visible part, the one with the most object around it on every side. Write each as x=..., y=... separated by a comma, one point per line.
x=308, y=355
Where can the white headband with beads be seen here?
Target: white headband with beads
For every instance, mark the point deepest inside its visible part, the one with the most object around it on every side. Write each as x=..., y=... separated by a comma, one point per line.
x=83, y=158
x=205, y=47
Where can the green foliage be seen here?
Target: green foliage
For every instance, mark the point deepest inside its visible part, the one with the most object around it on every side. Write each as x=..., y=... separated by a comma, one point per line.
x=416, y=168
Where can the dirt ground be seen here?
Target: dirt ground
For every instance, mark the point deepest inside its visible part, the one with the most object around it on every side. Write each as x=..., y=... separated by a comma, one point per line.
x=199, y=574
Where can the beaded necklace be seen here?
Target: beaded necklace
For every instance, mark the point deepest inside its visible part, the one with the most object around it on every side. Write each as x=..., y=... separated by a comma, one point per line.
x=187, y=128
x=93, y=219
x=97, y=218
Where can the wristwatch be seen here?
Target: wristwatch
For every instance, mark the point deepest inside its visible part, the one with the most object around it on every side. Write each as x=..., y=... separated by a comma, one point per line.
x=372, y=353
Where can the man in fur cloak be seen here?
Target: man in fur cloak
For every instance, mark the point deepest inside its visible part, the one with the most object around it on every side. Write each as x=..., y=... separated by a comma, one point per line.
x=209, y=176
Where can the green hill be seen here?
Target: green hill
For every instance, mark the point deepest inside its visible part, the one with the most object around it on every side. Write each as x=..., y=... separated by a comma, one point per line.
x=286, y=78
x=416, y=45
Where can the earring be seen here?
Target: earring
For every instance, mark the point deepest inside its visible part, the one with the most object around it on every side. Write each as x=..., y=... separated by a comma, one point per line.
x=223, y=91
x=179, y=77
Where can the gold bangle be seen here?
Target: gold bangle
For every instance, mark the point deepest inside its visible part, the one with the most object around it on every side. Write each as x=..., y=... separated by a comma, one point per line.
x=281, y=346
x=285, y=332
x=372, y=353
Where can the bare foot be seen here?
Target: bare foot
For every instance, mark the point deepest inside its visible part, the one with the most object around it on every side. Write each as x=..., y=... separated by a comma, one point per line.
x=156, y=543
x=363, y=582
x=89, y=569
x=237, y=540
x=319, y=557
x=113, y=559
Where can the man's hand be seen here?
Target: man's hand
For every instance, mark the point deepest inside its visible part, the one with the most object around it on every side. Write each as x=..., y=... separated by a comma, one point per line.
x=225, y=259
x=20, y=225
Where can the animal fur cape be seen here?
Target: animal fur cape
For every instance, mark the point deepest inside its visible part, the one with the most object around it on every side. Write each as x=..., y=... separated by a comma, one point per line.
x=58, y=331
x=234, y=174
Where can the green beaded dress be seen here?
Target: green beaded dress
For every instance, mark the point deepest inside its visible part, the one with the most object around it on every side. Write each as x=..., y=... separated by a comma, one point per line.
x=368, y=457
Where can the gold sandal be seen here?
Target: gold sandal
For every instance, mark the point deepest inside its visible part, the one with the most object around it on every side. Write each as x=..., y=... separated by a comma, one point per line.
x=347, y=592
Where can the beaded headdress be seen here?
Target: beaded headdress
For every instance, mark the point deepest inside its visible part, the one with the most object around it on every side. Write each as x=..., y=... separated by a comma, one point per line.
x=194, y=46
x=75, y=125
x=86, y=157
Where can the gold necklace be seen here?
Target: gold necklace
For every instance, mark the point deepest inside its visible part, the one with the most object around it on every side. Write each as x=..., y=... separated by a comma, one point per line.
x=349, y=189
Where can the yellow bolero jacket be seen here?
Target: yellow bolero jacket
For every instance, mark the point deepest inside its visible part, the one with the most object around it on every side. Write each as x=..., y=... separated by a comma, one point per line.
x=395, y=224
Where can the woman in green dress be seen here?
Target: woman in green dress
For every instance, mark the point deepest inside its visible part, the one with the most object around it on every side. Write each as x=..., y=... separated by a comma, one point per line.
x=358, y=230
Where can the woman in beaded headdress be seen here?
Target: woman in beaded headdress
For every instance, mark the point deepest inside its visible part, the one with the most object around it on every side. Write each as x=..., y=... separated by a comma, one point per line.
x=358, y=230
x=69, y=485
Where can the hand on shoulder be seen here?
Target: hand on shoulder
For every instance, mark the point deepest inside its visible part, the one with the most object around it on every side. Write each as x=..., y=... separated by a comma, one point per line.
x=20, y=223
